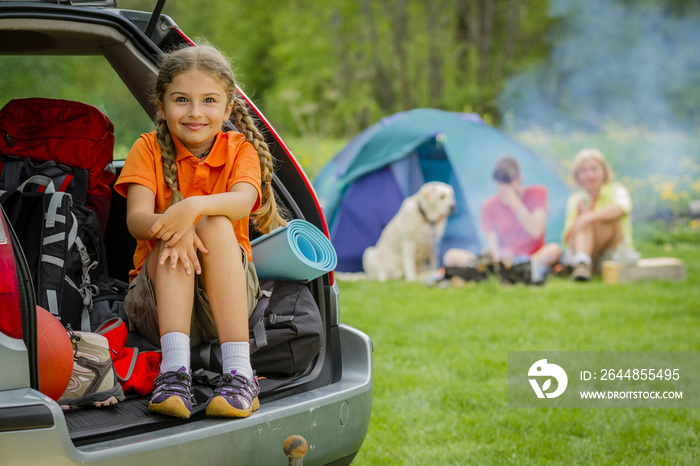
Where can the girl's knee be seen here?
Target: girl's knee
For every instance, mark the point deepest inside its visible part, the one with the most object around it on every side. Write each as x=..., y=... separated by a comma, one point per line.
x=212, y=228
x=555, y=250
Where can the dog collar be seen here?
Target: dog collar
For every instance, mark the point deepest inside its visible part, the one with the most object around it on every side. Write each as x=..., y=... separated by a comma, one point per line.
x=425, y=216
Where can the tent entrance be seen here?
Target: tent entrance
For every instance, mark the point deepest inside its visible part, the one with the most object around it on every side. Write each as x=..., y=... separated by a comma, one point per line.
x=461, y=230
x=409, y=149
x=373, y=200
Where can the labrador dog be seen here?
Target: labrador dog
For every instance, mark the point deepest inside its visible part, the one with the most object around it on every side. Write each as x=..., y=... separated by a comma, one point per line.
x=407, y=246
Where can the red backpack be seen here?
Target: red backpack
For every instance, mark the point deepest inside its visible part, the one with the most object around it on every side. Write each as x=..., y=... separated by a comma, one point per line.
x=70, y=142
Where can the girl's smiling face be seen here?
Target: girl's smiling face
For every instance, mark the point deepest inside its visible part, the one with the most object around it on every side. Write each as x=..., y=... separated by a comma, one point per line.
x=591, y=175
x=194, y=106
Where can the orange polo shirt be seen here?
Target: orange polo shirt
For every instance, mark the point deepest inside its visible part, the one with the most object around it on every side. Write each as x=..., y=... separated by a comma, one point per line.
x=232, y=160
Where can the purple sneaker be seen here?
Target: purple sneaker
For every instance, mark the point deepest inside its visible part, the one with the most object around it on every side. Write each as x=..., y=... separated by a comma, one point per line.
x=171, y=395
x=235, y=396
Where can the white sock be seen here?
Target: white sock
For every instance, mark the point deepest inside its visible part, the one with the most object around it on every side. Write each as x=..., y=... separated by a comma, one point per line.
x=581, y=257
x=175, y=347
x=538, y=271
x=235, y=356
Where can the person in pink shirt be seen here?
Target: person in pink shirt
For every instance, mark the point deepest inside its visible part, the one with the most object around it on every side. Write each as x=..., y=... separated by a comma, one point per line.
x=514, y=221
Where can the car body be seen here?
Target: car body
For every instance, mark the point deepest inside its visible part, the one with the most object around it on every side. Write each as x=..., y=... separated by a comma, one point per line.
x=330, y=407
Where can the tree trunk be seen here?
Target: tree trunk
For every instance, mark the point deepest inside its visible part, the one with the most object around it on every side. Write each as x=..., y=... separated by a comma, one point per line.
x=339, y=44
x=435, y=75
x=399, y=14
x=382, y=90
x=463, y=38
x=485, y=43
x=510, y=33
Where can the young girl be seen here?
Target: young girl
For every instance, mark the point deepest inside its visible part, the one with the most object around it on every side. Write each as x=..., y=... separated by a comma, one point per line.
x=190, y=190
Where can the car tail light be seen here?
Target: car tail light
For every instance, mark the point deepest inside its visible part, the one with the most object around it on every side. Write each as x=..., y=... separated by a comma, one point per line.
x=10, y=312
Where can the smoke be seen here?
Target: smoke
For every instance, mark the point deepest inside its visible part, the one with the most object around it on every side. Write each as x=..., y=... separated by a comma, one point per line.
x=622, y=76
x=612, y=62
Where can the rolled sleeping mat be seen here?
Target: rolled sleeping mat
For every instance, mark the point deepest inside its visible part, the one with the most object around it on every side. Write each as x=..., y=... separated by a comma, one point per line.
x=299, y=251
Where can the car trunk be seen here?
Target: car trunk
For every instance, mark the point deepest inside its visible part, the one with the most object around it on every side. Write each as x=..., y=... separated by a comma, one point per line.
x=130, y=417
x=132, y=56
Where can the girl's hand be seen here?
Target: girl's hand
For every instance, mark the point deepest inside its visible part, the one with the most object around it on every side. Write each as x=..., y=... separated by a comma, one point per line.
x=582, y=206
x=174, y=222
x=581, y=222
x=184, y=250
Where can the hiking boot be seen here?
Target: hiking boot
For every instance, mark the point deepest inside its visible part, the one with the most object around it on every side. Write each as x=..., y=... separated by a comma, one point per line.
x=582, y=272
x=94, y=381
x=466, y=273
x=515, y=273
x=235, y=396
x=172, y=394
x=562, y=270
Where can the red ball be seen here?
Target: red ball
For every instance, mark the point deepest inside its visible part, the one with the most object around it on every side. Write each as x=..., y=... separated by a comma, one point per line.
x=54, y=354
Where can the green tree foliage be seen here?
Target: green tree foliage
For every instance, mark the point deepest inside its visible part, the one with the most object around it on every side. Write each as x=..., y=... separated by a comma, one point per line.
x=320, y=69
x=351, y=63
x=332, y=68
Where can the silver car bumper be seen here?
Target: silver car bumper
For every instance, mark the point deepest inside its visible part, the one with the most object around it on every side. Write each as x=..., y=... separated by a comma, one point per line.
x=333, y=419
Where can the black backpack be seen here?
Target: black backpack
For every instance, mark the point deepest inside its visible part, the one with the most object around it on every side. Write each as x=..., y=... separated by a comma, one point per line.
x=63, y=244
x=286, y=329
x=286, y=335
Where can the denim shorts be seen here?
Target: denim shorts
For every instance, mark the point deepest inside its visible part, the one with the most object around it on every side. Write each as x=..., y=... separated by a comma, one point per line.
x=142, y=311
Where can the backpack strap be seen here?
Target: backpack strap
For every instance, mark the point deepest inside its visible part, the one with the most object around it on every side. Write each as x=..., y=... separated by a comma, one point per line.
x=259, y=333
x=114, y=330
x=274, y=319
x=57, y=222
x=132, y=364
x=87, y=289
x=258, y=327
x=66, y=182
x=52, y=302
x=40, y=180
x=15, y=168
x=55, y=216
x=52, y=216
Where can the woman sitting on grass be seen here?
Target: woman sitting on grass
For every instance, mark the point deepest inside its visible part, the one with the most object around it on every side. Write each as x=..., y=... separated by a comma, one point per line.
x=598, y=217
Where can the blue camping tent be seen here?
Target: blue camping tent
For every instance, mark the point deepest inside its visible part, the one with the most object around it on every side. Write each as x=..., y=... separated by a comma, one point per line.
x=363, y=186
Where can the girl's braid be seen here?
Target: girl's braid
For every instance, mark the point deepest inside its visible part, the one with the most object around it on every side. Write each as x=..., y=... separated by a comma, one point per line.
x=168, y=151
x=267, y=217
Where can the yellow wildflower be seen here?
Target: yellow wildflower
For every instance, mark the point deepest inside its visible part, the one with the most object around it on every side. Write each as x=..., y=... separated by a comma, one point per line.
x=696, y=186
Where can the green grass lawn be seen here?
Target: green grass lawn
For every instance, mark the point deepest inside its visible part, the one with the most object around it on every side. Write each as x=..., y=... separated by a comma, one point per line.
x=441, y=367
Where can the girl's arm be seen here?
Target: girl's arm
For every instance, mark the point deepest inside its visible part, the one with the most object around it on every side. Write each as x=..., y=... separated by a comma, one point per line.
x=140, y=207
x=235, y=204
x=606, y=214
x=621, y=205
x=570, y=217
